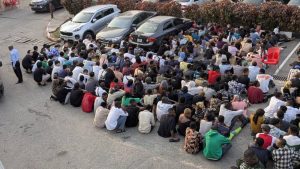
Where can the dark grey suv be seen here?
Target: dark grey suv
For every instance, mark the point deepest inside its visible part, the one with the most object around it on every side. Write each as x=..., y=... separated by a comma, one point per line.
x=122, y=25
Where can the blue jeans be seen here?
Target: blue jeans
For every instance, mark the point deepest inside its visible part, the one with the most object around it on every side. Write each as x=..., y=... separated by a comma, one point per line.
x=225, y=148
x=121, y=122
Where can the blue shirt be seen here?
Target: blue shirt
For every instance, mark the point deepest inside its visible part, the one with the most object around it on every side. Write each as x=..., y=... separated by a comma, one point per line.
x=14, y=56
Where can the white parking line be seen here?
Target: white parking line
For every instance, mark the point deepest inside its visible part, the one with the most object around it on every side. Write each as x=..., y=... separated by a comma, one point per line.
x=287, y=58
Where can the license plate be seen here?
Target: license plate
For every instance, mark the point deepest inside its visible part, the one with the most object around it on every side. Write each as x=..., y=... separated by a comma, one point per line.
x=139, y=40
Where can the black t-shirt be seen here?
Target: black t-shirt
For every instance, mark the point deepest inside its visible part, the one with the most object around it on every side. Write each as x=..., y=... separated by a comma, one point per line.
x=133, y=116
x=167, y=124
x=76, y=98
x=38, y=74
x=27, y=62
x=244, y=80
x=35, y=55
x=198, y=98
x=179, y=108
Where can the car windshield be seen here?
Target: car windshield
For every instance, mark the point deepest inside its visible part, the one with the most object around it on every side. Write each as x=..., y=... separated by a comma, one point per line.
x=148, y=27
x=82, y=17
x=294, y=2
x=120, y=22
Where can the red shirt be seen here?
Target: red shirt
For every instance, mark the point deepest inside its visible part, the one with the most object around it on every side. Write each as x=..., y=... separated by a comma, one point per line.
x=212, y=76
x=255, y=95
x=267, y=140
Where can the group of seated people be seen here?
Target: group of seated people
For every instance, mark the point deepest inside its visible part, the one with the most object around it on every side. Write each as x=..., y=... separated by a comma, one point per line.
x=198, y=84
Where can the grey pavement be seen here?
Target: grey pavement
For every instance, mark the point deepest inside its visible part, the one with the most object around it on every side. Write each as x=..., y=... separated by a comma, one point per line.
x=36, y=133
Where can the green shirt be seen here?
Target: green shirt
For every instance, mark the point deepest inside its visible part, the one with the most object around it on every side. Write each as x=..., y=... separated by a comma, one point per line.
x=213, y=145
x=126, y=101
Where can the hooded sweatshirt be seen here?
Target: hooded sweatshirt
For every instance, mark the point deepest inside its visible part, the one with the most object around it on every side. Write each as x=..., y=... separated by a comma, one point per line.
x=213, y=146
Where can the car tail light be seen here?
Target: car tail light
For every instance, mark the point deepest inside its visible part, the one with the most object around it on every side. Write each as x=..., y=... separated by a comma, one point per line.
x=151, y=39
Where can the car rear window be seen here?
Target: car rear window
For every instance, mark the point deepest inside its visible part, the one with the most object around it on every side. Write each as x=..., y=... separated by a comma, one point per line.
x=148, y=27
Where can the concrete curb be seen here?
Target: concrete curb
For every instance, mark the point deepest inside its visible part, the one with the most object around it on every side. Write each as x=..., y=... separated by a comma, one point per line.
x=48, y=33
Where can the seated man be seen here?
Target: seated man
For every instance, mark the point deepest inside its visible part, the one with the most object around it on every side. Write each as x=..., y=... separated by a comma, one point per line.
x=231, y=116
x=116, y=118
x=76, y=95
x=261, y=153
x=40, y=75
x=283, y=156
x=216, y=145
x=133, y=114
x=269, y=140
x=91, y=83
x=250, y=160
x=264, y=80
x=146, y=120
x=162, y=107
x=101, y=115
x=167, y=127
x=292, y=139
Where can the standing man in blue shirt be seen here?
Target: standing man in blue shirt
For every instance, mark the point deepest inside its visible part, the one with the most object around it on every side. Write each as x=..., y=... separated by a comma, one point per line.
x=14, y=58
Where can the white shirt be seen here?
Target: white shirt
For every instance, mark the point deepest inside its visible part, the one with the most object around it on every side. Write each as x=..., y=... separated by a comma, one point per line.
x=70, y=81
x=223, y=68
x=126, y=78
x=99, y=91
x=101, y=74
x=273, y=106
x=97, y=103
x=35, y=66
x=205, y=126
x=96, y=70
x=229, y=114
x=89, y=65
x=264, y=80
x=146, y=120
x=292, y=140
x=76, y=71
x=61, y=60
x=290, y=113
x=128, y=55
x=113, y=116
x=56, y=69
x=253, y=72
x=162, y=108
x=86, y=77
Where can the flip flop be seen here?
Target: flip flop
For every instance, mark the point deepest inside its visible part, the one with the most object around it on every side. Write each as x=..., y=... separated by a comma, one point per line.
x=174, y=140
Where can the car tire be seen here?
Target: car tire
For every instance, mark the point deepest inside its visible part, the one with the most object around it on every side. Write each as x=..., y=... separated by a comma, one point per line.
x=88, y=33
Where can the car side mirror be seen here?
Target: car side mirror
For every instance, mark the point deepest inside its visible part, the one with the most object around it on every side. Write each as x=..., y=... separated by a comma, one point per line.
x=94, y=20
x=0, y=63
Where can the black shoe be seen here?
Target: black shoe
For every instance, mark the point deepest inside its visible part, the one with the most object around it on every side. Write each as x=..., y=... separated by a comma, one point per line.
x=19, y=82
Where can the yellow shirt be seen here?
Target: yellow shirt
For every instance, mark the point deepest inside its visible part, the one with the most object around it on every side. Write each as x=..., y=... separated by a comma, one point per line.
x=256, y=128
x=183, y=66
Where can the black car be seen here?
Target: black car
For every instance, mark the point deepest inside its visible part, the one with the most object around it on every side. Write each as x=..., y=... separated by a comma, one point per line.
x=122, y=25
x=43, y=5
x=155, y=30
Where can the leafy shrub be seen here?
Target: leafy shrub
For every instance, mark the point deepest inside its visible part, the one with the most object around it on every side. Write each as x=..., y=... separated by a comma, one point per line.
x=269, y=15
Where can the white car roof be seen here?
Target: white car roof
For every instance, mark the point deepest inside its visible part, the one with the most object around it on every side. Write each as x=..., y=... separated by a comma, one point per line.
x=96, y=8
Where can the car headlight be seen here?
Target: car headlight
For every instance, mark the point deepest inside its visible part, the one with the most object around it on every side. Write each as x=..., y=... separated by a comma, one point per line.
x=116, y=38
x=77, y=29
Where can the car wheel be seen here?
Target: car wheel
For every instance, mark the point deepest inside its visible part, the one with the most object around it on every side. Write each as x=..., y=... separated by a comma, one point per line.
x=88, y=33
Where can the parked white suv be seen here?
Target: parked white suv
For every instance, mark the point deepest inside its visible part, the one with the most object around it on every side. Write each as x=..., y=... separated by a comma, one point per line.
x=89, y=21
